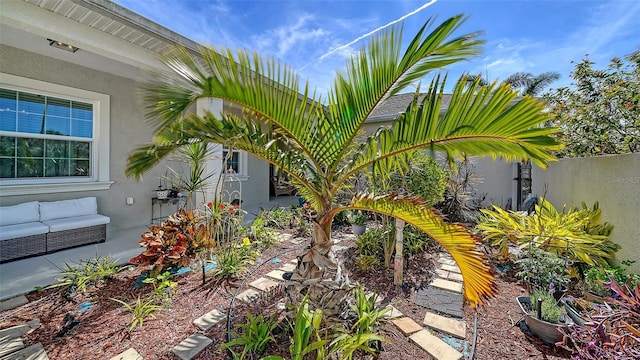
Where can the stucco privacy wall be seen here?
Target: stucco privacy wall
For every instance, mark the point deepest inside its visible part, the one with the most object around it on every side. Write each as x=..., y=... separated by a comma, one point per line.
x=613, y=181
x=128, y=129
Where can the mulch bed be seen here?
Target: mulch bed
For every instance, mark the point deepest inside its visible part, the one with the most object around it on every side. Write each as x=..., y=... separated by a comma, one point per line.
x=102, y=331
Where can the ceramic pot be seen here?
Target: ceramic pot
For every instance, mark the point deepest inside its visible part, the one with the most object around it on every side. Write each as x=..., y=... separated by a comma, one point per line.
x=358, y=229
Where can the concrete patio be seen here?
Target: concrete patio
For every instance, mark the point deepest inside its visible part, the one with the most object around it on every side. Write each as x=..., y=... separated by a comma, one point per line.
x=22, y=276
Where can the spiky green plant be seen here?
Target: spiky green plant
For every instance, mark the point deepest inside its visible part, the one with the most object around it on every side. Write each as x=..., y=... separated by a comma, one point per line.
x=318, y=141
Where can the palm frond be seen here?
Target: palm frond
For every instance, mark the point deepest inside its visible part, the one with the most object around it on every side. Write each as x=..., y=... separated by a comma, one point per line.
x=477, y=278
x=381, y=70
x=480, y=120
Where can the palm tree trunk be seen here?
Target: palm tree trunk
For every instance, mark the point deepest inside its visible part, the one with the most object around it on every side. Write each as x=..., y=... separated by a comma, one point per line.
x=320, y=274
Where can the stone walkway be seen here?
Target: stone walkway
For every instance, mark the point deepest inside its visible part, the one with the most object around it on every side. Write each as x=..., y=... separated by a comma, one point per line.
x=441, y=333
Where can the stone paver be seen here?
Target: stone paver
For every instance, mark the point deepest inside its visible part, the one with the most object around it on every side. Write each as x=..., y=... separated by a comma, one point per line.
x=444, y=324
x=191, y=346
x=209, y=320
x=447, y=285
x=406, y=325
x=452, y=268
x=248, y=295
x=286, y=237
x=442, y=301
x=294, y=260
x=129, y=354
x=434, y=346
x=276, y=274
x=455, y=277
x=393, y=313
x=33, y=352
x=9, y=346
x=445, y=261
x=13, y=303
x=442, y=273
x=263, y=284
x=288, y=267
x=19, y=330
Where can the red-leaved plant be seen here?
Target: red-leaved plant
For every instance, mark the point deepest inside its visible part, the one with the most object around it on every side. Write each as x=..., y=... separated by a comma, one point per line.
x=612, y=332
x=175, y=242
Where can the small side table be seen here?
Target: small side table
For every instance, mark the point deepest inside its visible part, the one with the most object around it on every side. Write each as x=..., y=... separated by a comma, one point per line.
x=174, y=203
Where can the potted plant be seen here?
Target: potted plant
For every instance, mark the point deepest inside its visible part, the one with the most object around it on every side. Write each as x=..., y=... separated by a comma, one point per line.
x=544, y=316
x=358, y=220
x=542, y=270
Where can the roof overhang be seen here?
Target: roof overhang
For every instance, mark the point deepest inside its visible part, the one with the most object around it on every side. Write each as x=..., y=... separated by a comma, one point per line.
x=110, y=37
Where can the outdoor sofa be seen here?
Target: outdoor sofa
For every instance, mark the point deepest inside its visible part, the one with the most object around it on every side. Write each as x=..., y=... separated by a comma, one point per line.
x=35, y=228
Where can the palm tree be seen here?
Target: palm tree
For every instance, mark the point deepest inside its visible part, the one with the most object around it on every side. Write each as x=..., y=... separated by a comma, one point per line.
x=531, y=85
x=322, y=147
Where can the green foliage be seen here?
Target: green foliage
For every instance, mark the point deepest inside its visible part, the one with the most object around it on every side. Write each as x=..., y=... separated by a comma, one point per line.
x=195, y=155
x=461, y=203
x=610, y=332
x=233, y=259
x=542, y=269
x=362, y=335
x=595, y=278
x=306, y=337
x=551, y=312
x=357, y=217
x=575, y=233
x=260, y=233
x=367, y=262
x=371, y=242
x=87, y=273
x=601, y=113
x=278, y=218
x=163, y=288
x=424, y=178
x=256, y=335
x=140, y=311
x=414, y=240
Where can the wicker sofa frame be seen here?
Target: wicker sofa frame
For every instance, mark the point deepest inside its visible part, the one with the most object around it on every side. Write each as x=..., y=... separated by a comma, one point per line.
x=76, y=237
x=21, y=247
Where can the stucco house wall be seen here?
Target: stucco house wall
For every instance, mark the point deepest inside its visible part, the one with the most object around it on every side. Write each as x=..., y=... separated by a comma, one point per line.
x=127, y=129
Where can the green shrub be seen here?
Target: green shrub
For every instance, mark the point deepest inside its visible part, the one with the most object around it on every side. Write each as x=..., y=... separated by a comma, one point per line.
x=278, y=218
x=140, y=311
x=372, y=242
x=575, y=233
x=367, y=262
x=87, y=273
x=596, y=277
x=256, y=335
x=541, y=269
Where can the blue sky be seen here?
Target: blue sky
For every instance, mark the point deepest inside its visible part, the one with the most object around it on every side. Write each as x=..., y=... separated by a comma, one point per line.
x=522, y=35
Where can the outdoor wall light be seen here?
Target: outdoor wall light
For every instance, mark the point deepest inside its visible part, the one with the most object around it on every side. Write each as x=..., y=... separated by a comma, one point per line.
x=61, y=45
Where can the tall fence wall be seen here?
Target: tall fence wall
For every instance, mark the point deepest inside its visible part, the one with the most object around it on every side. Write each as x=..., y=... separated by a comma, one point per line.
x=613, y=181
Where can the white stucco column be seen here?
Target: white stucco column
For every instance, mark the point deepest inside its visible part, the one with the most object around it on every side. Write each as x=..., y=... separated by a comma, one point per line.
x=214, y=164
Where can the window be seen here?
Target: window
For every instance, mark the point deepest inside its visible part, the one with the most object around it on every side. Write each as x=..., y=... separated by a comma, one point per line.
x=235, y=164
x=54, y=120
x=52, y=135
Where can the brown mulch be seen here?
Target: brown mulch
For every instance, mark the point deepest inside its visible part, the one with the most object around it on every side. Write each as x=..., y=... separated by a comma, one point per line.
x=102, y=331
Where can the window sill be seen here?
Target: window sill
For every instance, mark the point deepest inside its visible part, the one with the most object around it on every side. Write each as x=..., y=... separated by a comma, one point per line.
x=33, y=189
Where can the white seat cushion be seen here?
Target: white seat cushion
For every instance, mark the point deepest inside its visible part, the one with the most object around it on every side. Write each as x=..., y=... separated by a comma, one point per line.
x=76, y=222
x=19, y=214
x=21, y=230
x=68, y=208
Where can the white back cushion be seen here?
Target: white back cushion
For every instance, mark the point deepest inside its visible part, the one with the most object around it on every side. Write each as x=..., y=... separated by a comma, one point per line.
x=19, y=214
x=68, y=208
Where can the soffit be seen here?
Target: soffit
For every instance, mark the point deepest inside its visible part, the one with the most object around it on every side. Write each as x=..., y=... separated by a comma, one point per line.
x=117, y=22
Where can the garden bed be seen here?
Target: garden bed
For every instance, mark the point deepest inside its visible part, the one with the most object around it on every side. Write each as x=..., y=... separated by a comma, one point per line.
x=102, y=331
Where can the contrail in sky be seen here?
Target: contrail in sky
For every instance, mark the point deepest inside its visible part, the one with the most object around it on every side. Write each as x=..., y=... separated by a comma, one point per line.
x=378, y=29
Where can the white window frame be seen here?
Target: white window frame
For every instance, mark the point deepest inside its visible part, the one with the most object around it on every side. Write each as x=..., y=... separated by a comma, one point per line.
x=99, y=163
x=243, y=173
